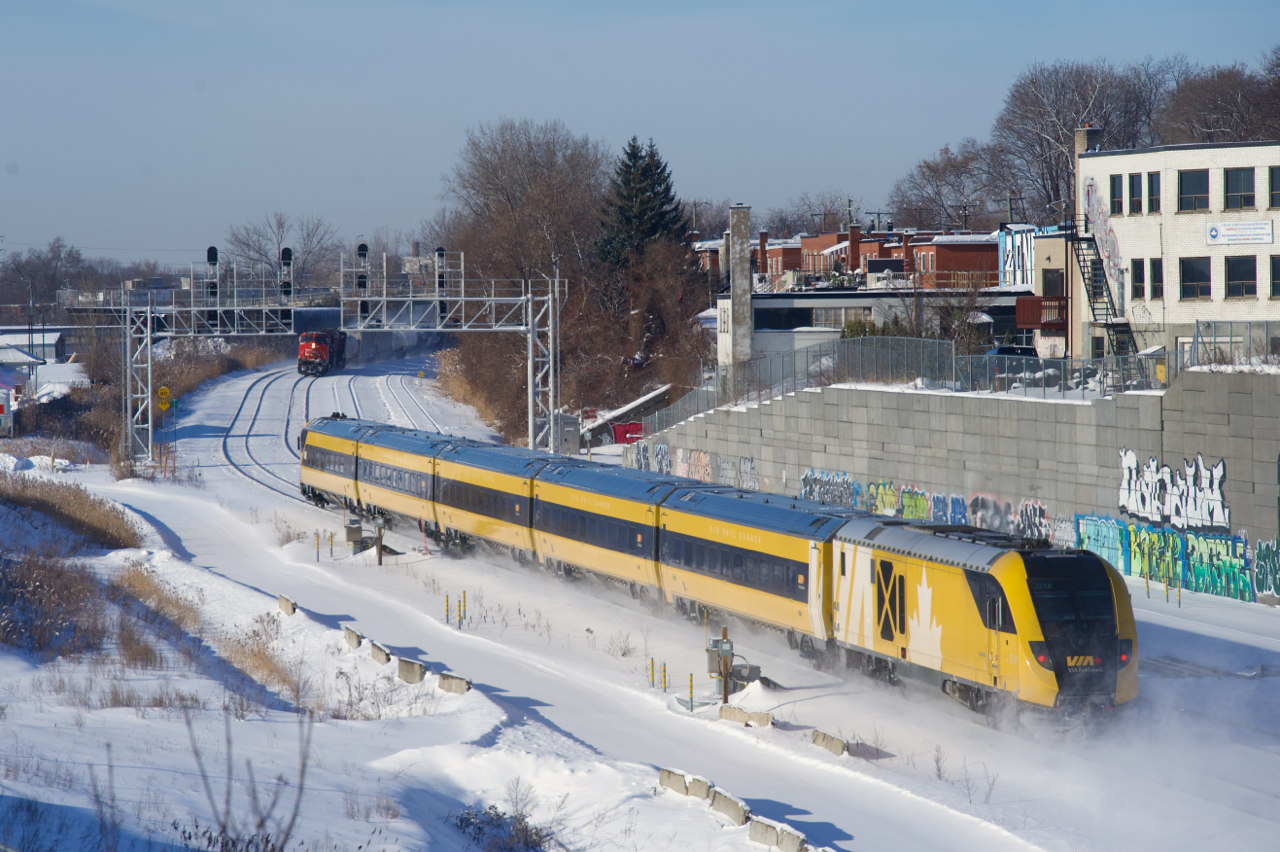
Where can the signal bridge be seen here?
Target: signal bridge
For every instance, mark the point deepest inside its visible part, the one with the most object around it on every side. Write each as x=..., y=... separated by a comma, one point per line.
x=433, y=293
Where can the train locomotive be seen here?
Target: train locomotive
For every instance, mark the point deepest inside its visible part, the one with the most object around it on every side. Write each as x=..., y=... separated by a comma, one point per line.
x=1004, y=625
x=320, y=352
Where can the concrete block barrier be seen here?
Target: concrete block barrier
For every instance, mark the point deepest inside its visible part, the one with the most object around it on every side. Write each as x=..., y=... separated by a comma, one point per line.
x=737, y=714
x=453, y=683
x=380, y=654
x=790, y=840
x=835, y=745
x=763, y=831
x=411, y=671
x=354, y=638
x=699, y=787
x=287, y=606
x=735, y=809
x=673, y=779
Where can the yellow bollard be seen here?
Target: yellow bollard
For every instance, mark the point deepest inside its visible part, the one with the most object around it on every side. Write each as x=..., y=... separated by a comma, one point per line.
x=651, y=672
x=664, y=677
x=447, y=611
x=1147, y=578
x=330, y=544
x=690, y=692
x=317, y=547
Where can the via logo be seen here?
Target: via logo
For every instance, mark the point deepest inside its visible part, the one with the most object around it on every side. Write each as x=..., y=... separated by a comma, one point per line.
x=1213, y=233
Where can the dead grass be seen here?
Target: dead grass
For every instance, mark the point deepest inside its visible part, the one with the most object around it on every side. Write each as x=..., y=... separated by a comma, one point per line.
x=132, y=646
x=140, y=583
x=253, y=651
x=453, y=380
x=50, y=607
x=98, y=520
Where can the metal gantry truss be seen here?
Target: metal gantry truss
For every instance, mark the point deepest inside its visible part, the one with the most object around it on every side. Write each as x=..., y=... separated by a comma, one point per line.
x=218, y=302
x=137, y=435
x=433, y=294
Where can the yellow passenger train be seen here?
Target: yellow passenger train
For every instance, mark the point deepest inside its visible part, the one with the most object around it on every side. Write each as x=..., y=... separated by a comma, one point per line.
x=996, y=622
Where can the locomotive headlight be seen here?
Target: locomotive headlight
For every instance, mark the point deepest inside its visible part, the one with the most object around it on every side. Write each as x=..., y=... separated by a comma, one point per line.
x=1126, y=652
x=1040, y=653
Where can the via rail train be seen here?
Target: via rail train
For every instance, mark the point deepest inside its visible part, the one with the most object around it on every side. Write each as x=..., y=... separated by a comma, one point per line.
x=1001, y=624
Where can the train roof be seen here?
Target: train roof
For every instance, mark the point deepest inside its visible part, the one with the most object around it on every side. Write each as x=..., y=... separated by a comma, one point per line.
x=625, y=483
x=342, y=427
x=413, y=441
x=771, y=512
x=968, y=547
x=515, y=461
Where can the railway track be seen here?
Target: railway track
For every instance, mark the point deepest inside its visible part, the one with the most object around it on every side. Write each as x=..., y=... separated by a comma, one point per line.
x=237, y=447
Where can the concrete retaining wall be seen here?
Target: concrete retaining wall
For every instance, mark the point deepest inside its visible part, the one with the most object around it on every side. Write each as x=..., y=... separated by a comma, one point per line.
x=759, y=829
x=380, y=654
x=410, y=671
x=735, y=809
x=287, y=606
x=353, y=638
x=1179, y=485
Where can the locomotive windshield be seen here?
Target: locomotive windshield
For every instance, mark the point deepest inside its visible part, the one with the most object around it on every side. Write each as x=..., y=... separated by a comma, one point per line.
x=1071, y=592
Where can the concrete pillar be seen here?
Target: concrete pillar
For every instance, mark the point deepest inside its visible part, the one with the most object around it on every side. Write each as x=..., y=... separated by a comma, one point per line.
x=740, y=281
x=1087, y=138
x=763, y=252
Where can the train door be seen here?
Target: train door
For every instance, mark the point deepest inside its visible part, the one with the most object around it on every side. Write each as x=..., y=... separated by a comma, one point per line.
x=1002, y=646
x=891, y=609
x=819, y=590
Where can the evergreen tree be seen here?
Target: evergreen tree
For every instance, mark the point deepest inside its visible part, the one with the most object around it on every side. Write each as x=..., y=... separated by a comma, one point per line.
x=642, y=207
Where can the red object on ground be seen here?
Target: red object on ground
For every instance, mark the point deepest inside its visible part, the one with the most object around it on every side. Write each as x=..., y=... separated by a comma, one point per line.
x=627, y=433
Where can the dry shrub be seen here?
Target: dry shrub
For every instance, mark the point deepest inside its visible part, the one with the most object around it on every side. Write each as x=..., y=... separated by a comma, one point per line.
x=134, y=649
x=253, y=652
x=75, y=452
x=140, y=583
x=286, y=533
x=95, y=518
x=50, y=607
x=454, y=380
x=90, y=414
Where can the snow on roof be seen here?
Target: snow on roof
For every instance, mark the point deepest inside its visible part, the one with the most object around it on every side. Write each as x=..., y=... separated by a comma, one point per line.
x=12, y=356
x=961, y=239
x=838, y=247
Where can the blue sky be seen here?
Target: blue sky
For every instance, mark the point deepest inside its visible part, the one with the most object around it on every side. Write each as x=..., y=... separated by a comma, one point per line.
x=148, y=126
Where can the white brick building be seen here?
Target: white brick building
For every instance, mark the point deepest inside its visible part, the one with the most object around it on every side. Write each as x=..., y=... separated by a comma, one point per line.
x=1186, y=233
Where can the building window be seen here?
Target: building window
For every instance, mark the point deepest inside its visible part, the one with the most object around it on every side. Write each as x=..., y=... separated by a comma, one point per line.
x=1135, y=193
x=1157, y=277
x=1117, y=194
x=1275, y=276
x=1051, y=283
x=1242, y=277
x=1153, y=192
x=1193, y=190
x=1275, y=186
x=1193, y=274
x=1137, y=279
x=1239, y=188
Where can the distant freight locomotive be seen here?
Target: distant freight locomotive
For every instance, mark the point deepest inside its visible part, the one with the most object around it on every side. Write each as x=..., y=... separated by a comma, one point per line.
x=321, y=351
x=999, y=623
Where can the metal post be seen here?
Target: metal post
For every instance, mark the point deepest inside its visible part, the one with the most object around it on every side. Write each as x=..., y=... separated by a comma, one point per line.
x=529, y=332
x=725, y=662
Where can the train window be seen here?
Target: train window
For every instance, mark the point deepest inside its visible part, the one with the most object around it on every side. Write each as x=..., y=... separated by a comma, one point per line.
x=753, y=572
x=712, y=553
x=737, y=567
x=591, y=530
x=701, y=553
x=688, y=555
x=842, y=571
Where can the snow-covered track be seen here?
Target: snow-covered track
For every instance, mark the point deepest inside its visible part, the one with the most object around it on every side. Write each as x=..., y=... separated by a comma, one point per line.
x=239, y=445
x=435, y=425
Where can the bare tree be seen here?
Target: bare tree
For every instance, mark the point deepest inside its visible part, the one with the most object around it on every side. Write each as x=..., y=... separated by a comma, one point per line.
x=826, y=210
x=314, y=242
x=1221, y=104
x=953, y=189
x=1034, y=133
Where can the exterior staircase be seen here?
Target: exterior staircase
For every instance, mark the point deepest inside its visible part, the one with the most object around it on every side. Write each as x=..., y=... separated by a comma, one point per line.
x=1120, y=338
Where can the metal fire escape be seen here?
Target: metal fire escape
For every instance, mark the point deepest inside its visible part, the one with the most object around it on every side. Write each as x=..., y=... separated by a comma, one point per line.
x=1102, y=305
x=432, y=293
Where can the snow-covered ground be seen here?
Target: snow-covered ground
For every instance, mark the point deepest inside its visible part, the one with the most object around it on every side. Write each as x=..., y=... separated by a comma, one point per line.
x=562, y=705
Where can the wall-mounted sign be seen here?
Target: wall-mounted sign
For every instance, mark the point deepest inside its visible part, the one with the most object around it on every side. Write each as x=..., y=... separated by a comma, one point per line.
x=1235, y=233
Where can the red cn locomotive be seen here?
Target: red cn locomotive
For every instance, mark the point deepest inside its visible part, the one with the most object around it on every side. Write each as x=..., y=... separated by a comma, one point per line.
x=321, y=351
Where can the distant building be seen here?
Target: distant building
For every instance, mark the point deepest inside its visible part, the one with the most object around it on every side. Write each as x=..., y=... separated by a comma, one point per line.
x=1184, y=233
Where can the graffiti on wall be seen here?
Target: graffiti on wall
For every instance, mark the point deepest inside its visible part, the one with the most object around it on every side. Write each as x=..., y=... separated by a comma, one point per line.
x=882, y=498
x=661, y=458
x=747, y=478
x=827, y=486
x=913, y=503
x=1266, y=568
x=1218, y=565
x=1191, y=499
x=699, y=465
x=727, y=470
x=1098, y=209
x=1105, y=537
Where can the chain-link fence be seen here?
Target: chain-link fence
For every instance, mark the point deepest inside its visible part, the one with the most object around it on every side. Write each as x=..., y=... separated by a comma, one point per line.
x=1250, y=344
x=887, y=360
x=931, y=365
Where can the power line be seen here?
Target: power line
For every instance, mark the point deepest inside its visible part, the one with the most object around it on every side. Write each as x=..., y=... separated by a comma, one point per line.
x=103, y=248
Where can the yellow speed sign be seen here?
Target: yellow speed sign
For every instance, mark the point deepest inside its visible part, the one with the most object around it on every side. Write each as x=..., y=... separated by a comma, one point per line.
x=163, y=405
x=163, y=393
